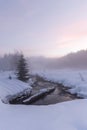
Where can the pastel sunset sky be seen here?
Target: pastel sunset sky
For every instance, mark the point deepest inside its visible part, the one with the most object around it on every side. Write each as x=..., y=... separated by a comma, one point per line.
x=50, y=28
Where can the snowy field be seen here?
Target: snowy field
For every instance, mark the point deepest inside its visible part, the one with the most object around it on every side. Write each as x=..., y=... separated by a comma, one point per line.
x=75, y=79
x=64, y=116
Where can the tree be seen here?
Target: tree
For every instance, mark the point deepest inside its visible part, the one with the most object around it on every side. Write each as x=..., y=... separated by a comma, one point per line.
x=22, y=69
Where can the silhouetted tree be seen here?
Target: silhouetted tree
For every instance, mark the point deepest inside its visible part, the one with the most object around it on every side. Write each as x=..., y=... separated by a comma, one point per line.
x=22, y=69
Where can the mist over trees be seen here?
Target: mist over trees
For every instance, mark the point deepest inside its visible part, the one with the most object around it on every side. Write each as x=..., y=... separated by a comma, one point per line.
x=9, y=61
x=76, y=60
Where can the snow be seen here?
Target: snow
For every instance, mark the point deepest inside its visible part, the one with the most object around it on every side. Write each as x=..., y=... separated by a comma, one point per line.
x=11, y=86
x=70, y=115
x=75, y=79
x=64, y=116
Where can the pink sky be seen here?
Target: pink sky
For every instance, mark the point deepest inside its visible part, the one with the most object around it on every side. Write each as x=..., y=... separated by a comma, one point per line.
x=48, y=28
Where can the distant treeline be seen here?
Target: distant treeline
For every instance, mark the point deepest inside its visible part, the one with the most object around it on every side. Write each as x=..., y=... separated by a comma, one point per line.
x=76, y=60
x=9, y=61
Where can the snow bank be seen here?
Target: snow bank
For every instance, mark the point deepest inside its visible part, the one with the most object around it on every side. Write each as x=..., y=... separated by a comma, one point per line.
x=12, y=86
x=38, y=95
x=64, y=116
x=76, y=79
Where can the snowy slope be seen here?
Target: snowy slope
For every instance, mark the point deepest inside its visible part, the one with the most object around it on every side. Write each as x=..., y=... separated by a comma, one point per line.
x=64, y=116
x=11, y=87
x=76, y=79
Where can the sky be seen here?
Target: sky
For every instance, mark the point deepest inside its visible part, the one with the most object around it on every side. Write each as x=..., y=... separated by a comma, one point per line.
x=50, y=28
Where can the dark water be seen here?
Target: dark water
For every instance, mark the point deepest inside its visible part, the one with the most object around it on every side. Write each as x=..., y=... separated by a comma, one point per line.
x=60, y=93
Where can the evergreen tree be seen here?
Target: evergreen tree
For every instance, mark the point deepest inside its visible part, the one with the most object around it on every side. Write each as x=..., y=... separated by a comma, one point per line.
x=22, y=69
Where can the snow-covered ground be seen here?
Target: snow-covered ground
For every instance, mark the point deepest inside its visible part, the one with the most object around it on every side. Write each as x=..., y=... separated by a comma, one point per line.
x=64, y=116
x=76, y=79
x=9, y=87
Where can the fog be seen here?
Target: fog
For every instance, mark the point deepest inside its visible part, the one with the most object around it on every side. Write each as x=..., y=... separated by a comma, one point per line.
x=76, y=60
